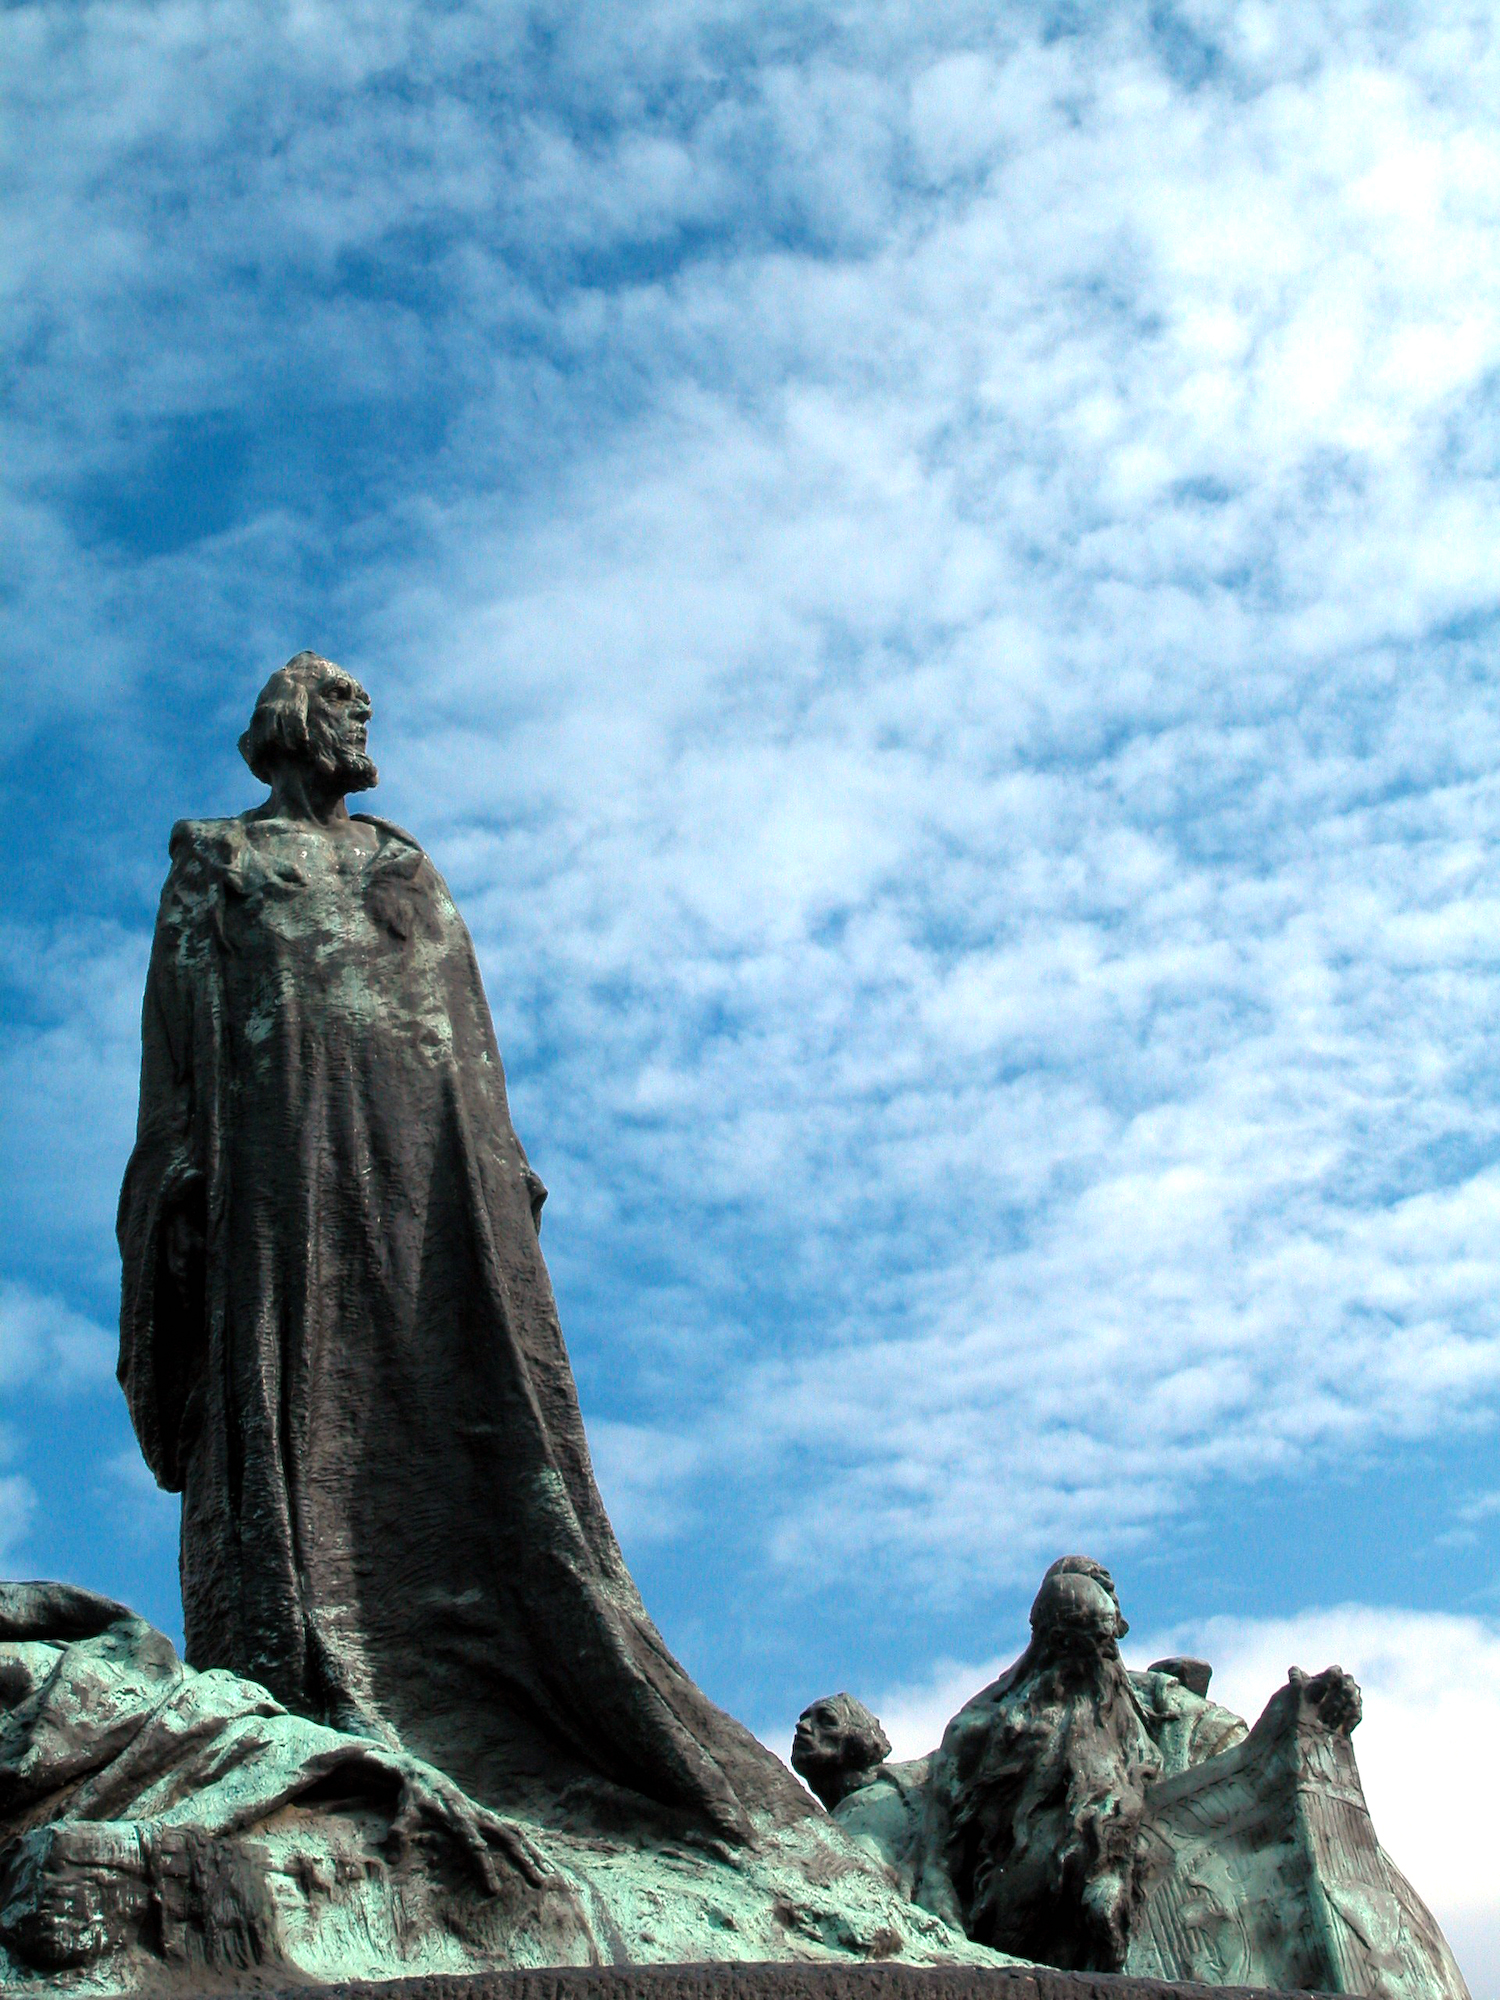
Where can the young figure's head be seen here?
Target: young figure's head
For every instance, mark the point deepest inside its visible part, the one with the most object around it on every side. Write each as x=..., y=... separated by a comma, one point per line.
x=837, y=1743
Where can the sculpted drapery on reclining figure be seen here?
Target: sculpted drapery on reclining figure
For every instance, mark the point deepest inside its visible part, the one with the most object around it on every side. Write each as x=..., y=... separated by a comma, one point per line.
x=425, y=1722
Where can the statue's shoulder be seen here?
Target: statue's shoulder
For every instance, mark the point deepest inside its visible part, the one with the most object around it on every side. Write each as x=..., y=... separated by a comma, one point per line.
x=391, y=835
x=194, y=838
x=389, y=830
x=979, y=1708
x=203, y=853
x=241, y=854
x=220, y=845
x=401, y=857
x=911, y=1775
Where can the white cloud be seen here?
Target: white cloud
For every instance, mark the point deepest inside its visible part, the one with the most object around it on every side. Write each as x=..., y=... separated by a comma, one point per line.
x=641, y=1474
x=916, y=1713
x=68, y=1072
x=945, y=651
x=997, y=735
x=137, y=1505
x=48, y=1349
x=17, y=1507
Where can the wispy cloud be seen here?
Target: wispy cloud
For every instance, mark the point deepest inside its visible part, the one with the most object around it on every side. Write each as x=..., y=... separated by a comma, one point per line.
x=135, y=1503
x=47, y=1348
x=68, y=1068
x=930, y=577
x=17, y=1507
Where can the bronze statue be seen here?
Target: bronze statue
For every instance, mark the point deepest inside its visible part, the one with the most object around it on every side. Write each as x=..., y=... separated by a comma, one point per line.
x=425, y=1723
x=840, y=1750
x=338, y=1337
x=1038, y=1787
x=837, y=1747
x=1090, y=1816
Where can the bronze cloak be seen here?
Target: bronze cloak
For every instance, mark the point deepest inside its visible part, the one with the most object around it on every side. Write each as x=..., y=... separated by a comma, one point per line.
x=389, y=1515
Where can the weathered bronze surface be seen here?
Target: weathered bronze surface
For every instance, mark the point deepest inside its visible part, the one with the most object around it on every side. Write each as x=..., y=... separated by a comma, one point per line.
x=750, y=1982
x=160, y=1825
x=1262, y=1864
x=1087, y=1816
x=425, y=1725
x=339, y=1337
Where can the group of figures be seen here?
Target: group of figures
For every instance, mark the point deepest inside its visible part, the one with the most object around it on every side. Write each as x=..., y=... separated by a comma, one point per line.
x=1081, y=1815
x=424, y=1722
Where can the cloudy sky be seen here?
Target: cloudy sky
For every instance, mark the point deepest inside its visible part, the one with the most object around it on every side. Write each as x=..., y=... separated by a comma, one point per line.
x=930, y=573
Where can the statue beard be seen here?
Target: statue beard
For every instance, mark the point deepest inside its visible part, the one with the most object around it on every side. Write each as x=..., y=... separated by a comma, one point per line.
x=338, y=765
x=351, y=773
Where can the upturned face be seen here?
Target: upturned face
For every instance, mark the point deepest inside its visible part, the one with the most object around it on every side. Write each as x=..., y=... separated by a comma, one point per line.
x=820, y=1736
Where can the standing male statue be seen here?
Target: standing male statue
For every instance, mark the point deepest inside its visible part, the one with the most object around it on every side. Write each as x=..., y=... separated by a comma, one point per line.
x=338, y=1337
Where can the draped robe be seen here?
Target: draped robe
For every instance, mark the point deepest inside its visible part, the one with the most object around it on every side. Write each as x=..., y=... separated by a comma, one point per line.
x=389, y=1516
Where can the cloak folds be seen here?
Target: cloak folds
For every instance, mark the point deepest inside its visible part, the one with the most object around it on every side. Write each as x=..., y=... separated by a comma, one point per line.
x=359, y=1384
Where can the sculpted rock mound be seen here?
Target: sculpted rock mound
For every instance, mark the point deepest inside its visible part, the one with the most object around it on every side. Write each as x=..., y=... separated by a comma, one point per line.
x=160, y=1823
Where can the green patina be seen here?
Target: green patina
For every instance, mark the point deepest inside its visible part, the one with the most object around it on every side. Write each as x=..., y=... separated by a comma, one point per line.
x=155, y=1814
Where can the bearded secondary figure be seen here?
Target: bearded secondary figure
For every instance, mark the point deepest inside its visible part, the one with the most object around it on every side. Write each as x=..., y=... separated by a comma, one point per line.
x=339, y=1340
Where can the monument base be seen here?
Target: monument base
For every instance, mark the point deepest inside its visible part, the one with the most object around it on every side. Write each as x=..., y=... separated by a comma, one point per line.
x=751, y=1982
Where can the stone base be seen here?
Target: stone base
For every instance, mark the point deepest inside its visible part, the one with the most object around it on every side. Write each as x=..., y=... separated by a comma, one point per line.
x=749, y=1982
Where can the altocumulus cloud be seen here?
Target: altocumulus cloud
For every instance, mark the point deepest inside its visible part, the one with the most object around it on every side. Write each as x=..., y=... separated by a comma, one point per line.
x=989, y=781
x=46, y=1350
x=47, y=1346
x=930, y=577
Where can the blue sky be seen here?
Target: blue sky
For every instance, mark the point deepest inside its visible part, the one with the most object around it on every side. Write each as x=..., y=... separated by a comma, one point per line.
x=929, y=574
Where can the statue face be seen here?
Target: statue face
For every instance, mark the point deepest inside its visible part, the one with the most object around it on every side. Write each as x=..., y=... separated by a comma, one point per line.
x=836, y=1741
x=338, y=716
x=820, y=1737
x=837, y=1733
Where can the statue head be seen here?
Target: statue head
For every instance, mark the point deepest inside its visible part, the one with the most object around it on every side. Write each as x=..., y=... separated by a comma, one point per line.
x=1077, y=1608
x=837, y=1743
x=312, y=714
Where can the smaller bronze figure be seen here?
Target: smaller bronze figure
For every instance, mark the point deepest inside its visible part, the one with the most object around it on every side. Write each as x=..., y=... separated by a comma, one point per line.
x=1094, y=1817
x=838, y=1746
x=1038, y=1788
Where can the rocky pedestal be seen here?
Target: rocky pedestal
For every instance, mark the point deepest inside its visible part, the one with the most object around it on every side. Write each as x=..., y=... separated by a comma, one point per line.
x=758, y=1982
